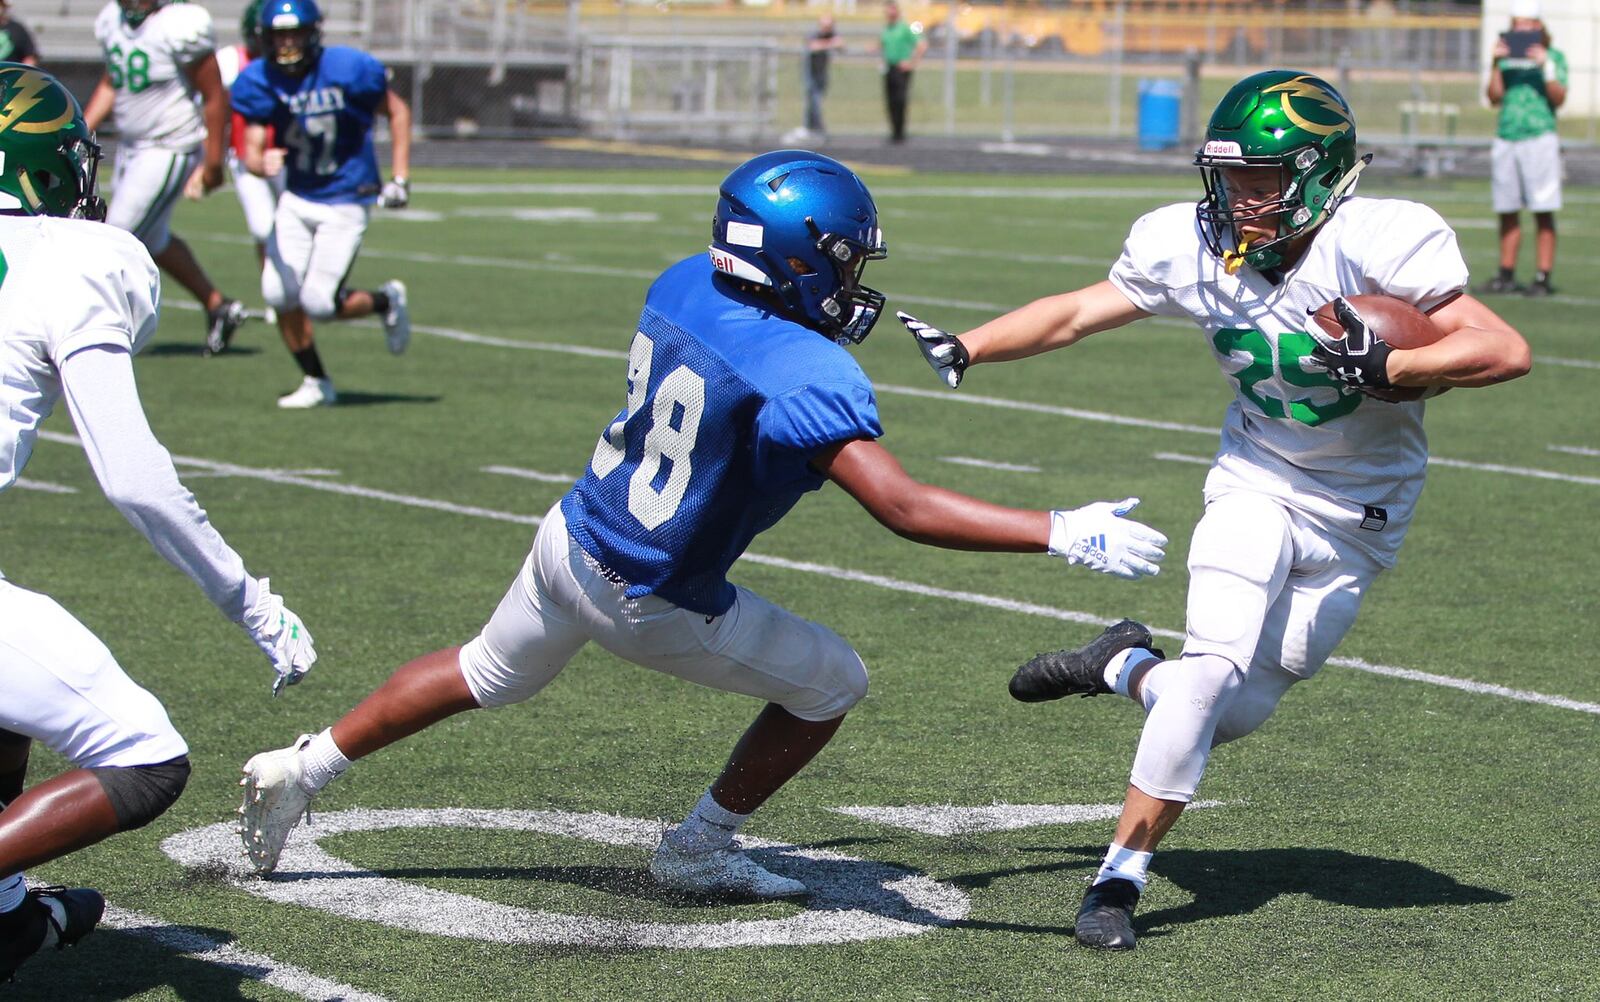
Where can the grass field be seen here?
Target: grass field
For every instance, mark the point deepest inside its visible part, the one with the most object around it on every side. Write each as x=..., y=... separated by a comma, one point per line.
x=1382, y=837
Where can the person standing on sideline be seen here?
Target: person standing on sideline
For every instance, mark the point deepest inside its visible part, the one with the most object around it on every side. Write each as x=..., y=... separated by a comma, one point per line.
x=741, y=399
x=820, y=47
x=16, y=43
x=1527, y=85
x=162, y=87
x=322, y=102
x=902, y=46
x=78, y=299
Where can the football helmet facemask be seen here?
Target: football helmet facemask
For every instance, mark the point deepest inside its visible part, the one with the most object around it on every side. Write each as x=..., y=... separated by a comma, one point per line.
x=48, y=158
x=292, y=34
x=1282, y=119
x=134, y=12
x=804, y=226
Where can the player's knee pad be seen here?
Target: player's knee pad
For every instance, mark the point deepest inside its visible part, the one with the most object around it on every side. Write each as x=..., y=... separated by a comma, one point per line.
x=319, y=299
x=840, y=683
x=279, y=290
x=139, y=794
x=494, y=680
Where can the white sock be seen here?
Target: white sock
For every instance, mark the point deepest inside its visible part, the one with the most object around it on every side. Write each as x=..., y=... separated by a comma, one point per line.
x=58, y=912
x=13, y=891
x=1125, y=863
x=709, y=826
x=1122, y=666
x=321, y=762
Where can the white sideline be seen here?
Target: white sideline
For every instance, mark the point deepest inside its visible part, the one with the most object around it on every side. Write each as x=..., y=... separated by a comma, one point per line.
x=190, y=942
x=858, y=577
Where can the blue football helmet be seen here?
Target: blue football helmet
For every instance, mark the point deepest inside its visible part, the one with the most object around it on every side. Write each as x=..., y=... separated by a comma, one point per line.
x=803, y=225
x=292, y=31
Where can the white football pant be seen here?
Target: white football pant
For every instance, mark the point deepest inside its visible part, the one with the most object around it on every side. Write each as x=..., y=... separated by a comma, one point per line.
x=1271, y=594
x=561, y=599
x=146, y=184
x=312, y=247
x=60, y=685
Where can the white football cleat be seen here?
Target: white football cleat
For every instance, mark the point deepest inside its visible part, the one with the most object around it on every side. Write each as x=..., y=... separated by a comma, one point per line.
x=397, y=318
x=312, y=392
x=274, y=802
x=726, y=871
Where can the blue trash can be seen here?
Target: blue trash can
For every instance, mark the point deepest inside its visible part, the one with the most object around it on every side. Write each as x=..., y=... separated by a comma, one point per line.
x=1159, y=101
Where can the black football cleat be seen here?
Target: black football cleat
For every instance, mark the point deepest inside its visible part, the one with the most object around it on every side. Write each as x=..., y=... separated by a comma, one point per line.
x=1105, y=920
x=1501, y=285
x=23, y=932
x=221, y=324
x=1082, y=671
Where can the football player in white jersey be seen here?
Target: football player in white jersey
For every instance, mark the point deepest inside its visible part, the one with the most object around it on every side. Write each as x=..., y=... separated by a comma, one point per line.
x=1316, y=478
x=77, y=300
x=162, y=88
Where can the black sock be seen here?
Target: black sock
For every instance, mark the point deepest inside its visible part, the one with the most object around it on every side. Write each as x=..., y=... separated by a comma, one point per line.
x=380, y=301
x=1507, y=273
x=310, y=364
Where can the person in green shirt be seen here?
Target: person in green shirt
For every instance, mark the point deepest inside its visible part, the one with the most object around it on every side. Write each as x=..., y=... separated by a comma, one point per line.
x=1527, y=82
x=902, y=46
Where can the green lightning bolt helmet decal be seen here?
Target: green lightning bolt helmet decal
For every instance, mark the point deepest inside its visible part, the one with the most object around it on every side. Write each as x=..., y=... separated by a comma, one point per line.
x=48, y=159
x=1296, y=123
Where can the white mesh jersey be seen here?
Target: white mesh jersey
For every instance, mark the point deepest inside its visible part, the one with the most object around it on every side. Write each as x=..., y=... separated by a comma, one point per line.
x=156, y=105
x=65, y=285
x=1348, y=461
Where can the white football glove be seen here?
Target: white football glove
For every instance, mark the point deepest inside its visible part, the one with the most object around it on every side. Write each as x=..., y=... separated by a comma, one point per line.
x=395, y=194
x=281, y=636
x=943, y=351
x=1098, y=537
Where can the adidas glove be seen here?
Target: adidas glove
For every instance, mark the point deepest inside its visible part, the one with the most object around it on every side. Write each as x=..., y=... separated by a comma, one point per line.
x=1360, y=359
x=1101, y=539
x=943, y=351
x=281, y=636
x=395, y=195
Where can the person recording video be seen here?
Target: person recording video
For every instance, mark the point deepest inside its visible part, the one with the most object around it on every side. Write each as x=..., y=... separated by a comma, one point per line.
x=1527, y=82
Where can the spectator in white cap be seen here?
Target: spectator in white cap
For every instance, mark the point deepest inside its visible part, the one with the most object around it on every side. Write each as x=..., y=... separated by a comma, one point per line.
x=1527, y=82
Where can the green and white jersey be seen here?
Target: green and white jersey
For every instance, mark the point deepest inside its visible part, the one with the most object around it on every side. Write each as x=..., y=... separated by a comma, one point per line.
x=1525, y=111
x=65, y=285
x=156, y=105
x=1292, y=431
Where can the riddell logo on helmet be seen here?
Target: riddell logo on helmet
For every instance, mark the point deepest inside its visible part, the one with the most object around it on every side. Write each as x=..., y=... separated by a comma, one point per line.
x=1223, y=148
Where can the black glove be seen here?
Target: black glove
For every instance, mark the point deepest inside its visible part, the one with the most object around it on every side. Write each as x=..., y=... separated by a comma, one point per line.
x=944, y=352
x=1360, y=359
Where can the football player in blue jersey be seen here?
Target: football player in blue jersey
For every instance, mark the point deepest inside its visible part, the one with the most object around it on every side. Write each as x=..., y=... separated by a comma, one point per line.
x=322, y=102
x=741, y=397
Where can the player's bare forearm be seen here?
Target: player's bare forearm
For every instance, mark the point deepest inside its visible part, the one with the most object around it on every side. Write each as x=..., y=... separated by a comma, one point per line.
x=255, y=149
x=100, y=103
x=924, y=513
x=1478, y=349
x=207, y=79
x=1050, y=323
x=399, y=135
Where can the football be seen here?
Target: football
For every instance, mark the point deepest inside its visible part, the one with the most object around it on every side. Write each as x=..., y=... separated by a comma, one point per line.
x=1398, y=323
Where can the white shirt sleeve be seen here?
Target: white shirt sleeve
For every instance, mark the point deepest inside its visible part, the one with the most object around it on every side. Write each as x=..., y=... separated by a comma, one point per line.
x=138, y=477
x=1145, y=270
x=1417, y=257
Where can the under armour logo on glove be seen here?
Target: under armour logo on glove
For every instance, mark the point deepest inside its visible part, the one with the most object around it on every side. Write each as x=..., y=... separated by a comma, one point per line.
x=944, y=351
x=1360, y=359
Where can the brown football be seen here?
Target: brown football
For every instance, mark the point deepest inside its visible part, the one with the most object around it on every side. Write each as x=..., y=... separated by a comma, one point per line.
x=1398, y=323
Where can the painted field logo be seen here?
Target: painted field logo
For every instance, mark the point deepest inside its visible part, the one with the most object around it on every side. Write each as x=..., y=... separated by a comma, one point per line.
x=851, y=899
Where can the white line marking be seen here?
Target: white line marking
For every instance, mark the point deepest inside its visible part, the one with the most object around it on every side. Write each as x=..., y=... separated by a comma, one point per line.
x=989, y=464
x=1574, y=450
x=198, y=473
x=1024, y=405
x=851, y=899
x=42, y=486
x=883, y=192
x=1574, y=363
x=202, y=946
x=517, y=471
x=1454, y=464
x=946, y=819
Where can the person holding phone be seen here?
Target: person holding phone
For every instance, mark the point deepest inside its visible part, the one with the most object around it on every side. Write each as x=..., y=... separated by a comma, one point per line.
x=1527, y=82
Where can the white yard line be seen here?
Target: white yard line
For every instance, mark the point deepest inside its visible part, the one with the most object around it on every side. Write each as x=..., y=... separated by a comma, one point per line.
x=989, y=464
x=1574, y=450
x=539, y=475
x=42, y=486
x=212, y=949
x=1456, y=464
x=1572, y=363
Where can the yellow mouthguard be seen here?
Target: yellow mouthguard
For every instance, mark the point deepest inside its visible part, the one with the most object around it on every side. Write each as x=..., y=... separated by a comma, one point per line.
x=1232, y=261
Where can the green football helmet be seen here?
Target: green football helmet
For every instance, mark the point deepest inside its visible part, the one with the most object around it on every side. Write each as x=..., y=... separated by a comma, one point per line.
x=251, y=31
x=1292, y=121
x=48, y=158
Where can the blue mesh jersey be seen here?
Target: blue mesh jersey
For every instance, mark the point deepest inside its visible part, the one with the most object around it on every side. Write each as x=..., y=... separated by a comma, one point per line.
x=324, y=119
x=726, y=405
